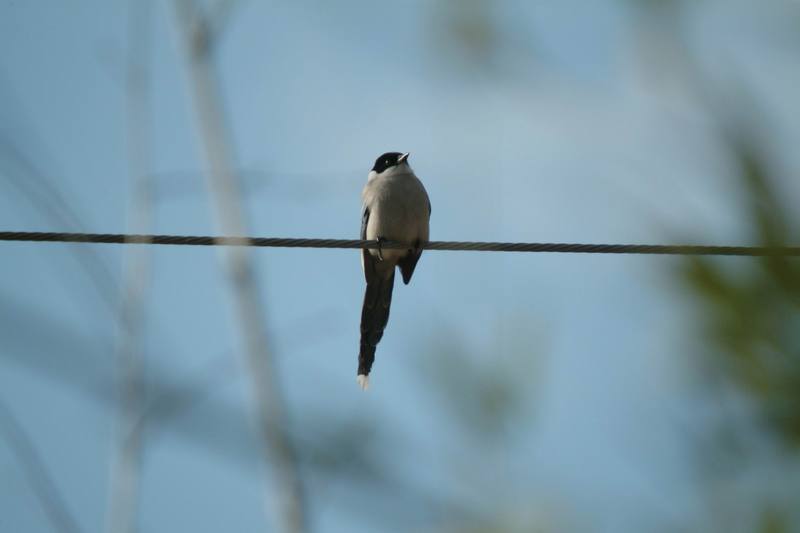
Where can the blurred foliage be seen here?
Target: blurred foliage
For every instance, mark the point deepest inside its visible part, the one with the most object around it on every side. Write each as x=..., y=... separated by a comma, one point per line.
x=486, y=390
x=752, y=313
x=466, y=32
x=773, y=521
x=747, y=310
x=488, y=393
x=480, y=40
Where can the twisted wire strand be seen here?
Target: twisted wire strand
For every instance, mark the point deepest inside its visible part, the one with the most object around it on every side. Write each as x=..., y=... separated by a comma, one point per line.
x=277, y=242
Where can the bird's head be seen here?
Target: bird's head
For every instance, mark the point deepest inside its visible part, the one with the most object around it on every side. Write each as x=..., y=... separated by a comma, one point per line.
x=390, y=163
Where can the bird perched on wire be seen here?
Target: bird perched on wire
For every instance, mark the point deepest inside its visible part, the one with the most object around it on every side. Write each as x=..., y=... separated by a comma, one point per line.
x=396, y=208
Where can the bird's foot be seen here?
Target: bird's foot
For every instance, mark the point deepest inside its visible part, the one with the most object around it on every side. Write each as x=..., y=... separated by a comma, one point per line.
x=380, y=240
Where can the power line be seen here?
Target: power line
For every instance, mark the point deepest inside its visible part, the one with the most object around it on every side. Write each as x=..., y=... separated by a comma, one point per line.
x=276, y=242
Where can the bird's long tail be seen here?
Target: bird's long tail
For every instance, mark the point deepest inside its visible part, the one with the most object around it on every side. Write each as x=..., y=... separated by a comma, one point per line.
x=374, y=316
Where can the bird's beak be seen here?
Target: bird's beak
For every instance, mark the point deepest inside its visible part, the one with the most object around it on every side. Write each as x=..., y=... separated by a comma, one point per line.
x=403, y=157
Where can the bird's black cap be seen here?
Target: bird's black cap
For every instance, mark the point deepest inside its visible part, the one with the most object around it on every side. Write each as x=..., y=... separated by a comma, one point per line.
x=389, y=159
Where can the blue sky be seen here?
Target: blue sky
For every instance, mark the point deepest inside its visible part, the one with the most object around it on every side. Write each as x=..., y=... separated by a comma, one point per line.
x=571, y=132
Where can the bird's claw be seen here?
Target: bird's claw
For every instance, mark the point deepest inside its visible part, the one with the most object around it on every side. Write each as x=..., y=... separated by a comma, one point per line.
x=380, y=240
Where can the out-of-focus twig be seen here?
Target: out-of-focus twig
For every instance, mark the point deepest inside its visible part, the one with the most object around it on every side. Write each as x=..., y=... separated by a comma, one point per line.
x=21, y=173
x=34, y=468
x=220, y=13
x=25, y=173
x=126, y=472
x=268, y=399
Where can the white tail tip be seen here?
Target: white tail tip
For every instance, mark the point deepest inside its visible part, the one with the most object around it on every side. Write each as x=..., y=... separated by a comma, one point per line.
x=363, y=381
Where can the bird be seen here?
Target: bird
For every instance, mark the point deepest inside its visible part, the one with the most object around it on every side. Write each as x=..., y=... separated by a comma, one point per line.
x=396, y=207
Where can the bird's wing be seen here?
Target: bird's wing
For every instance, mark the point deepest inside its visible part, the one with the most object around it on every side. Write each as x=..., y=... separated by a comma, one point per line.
x=408, y=263
x=367, y=261
x=364, y=221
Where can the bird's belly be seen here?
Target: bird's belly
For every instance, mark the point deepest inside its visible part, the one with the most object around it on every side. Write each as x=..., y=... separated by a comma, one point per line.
x=398, y=212
x=395, y=221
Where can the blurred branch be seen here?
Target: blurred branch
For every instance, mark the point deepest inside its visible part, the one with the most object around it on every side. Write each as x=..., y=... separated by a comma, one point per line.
x=126, y=472
x=225, y=188
x=34, y=468
x=216, y=428
x=25, y=173
x=292, y=185
x=44, y=196
x=220, y=14
x=343, y=453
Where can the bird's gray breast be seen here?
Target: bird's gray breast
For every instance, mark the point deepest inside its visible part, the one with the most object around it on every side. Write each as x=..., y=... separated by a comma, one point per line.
x=399, y=208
